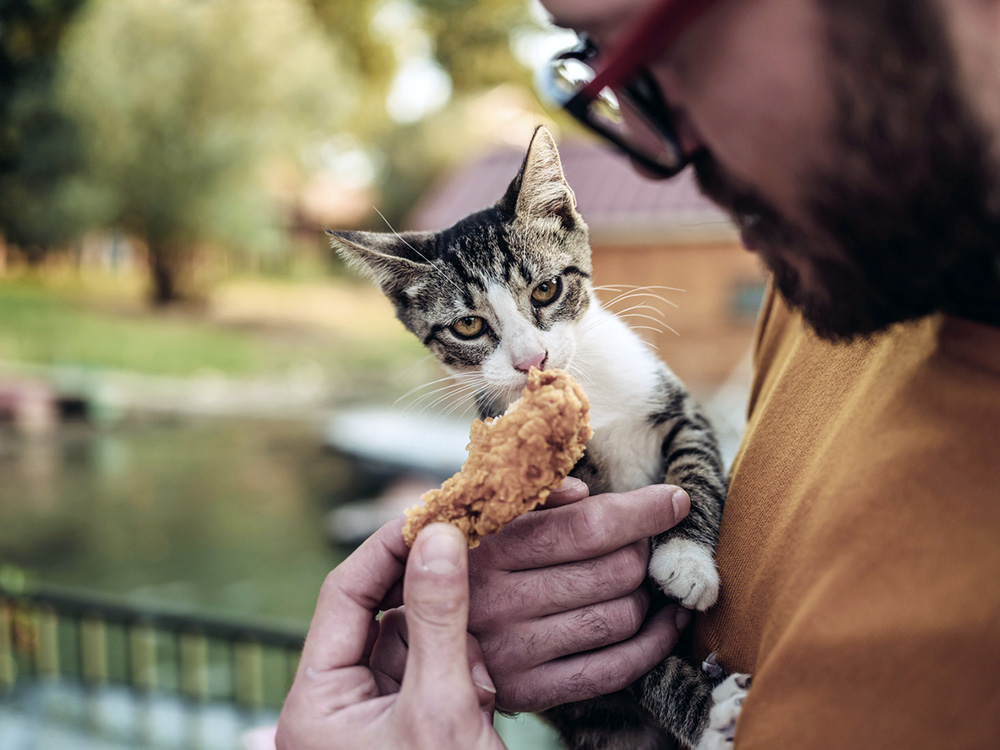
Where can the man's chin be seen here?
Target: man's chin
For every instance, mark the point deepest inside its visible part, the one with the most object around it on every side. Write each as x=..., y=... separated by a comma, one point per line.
x=833, y=303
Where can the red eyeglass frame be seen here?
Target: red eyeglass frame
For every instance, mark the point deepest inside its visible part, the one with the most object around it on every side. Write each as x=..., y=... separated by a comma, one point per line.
x=651, y=34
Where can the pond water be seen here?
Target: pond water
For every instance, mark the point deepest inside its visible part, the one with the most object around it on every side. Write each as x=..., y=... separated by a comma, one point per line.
x=217, y=516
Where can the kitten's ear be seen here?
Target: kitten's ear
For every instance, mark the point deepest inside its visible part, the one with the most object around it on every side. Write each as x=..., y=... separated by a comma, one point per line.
x=392, y=260
x=540, y=190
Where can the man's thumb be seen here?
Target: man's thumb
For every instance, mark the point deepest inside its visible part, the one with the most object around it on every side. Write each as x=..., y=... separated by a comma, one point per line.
x=436, y=595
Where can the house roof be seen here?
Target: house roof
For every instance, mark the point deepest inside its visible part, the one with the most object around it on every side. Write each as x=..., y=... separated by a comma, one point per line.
x=615, y=201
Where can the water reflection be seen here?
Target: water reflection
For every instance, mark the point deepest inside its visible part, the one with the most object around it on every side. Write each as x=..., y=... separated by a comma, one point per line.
x=219, y=515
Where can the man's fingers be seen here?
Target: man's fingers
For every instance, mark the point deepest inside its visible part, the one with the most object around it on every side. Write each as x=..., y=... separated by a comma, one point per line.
x=570, y=491
x=436, y=592
x=597, y=673
x=388, y=659
x=349, y=599
x=589, y=528
x=581, y=630
x=561, y=588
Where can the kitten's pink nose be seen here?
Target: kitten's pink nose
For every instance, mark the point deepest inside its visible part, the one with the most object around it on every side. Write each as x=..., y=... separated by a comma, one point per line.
x=536, y=361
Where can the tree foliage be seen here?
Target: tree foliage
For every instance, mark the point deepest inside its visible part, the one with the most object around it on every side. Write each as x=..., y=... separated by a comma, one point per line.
x=183, y=104
x=39, y=148
x=472, y=40
x=165, y=118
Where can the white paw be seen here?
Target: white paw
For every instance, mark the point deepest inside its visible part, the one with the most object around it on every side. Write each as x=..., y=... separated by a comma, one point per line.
x=727, y=702
x=686, y=571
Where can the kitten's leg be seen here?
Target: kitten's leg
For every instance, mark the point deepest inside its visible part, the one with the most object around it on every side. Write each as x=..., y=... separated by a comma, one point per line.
x=682, y=561
x=679, y=696
x=611, y=722
x=727, y=702
x=700, y=711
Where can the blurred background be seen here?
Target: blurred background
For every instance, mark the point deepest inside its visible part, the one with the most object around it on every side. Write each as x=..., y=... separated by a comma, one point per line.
x=201, y=410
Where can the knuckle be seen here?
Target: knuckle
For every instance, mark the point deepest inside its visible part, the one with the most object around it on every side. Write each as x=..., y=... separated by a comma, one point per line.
x=603, y=677
x=629, y=564
x=330, y=585
x=500, y=653
x=516, y=695
x=585, y=528
x=490, y=608
x=608, y=623
x=593, y=624
x=436, y=608
x=630, y=616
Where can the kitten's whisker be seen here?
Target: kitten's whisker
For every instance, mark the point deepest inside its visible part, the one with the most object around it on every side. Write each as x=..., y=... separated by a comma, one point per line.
x=411, y=368
x=429, y=394
x=647, y=328
x=640, y=316
x=638, y=287
x=455, y=390
x=458, y=393
x=637, y=294
x=627, y=310
x=423, y=386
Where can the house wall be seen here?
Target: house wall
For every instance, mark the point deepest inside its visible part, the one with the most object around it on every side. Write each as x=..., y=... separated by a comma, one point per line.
x=715, y=314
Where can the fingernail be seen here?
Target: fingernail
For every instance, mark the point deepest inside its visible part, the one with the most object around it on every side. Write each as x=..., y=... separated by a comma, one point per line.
x=567, y=484
x=441, y=550
x=482, y=678
x=682, y=618
x=681, y=503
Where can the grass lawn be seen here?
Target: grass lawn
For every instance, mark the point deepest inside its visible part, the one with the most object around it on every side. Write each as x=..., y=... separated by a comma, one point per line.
x=249, y=328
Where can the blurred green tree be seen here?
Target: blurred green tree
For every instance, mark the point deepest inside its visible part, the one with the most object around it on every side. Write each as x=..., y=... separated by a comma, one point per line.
x=183, y=105
x=39, y=148
x=472, y=40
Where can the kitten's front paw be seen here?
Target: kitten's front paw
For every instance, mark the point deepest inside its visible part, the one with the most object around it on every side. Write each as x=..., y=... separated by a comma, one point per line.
x=727, y=702
x=686, y=571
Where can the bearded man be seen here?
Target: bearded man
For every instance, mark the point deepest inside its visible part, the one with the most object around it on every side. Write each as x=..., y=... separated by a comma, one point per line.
x=856, y=144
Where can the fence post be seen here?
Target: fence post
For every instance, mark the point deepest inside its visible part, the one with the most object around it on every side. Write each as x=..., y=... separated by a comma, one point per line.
x=8, y=668
x=142, y=644
x=95, y=650
x=194, y=666
x=248, y=677
x=48, y=642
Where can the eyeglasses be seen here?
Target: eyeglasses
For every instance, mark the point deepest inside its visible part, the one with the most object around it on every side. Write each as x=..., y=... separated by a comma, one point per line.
x=637, y=119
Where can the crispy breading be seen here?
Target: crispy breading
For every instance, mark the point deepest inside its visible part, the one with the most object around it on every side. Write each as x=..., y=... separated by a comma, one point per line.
x=514, y=462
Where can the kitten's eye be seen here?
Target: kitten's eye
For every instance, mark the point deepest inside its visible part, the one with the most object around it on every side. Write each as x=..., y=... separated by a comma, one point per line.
x=546, y=292
x=469, y=327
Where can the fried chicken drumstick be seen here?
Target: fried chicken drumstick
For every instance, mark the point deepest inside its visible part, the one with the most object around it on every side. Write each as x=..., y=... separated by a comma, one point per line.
x=514, y=462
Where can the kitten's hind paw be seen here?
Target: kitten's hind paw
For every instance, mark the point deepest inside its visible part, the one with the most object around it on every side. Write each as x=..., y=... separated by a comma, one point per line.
x=686, y=571
x=727, y=702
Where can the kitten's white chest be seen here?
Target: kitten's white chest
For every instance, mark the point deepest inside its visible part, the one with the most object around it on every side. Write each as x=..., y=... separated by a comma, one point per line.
x=621, y=383
x=628, y=451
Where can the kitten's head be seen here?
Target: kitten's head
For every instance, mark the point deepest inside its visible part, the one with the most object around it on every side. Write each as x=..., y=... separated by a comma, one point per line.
x=501, y=290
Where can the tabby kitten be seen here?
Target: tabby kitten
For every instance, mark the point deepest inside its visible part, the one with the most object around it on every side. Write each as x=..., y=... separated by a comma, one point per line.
x=509, y=288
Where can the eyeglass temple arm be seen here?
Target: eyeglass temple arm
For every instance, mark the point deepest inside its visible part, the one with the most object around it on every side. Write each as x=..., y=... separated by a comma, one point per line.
x=660, y=26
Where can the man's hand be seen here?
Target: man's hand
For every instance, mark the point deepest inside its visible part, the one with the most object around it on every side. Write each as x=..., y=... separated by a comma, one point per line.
x=559, y=603
x=340, y=700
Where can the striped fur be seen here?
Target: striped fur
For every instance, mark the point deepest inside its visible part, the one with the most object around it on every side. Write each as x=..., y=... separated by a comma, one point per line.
x=486, y=274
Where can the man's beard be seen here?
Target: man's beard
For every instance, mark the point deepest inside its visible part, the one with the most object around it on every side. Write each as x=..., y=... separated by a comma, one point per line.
x=901, y=227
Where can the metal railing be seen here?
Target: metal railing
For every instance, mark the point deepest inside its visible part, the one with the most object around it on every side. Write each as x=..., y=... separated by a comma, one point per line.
x=47, y=634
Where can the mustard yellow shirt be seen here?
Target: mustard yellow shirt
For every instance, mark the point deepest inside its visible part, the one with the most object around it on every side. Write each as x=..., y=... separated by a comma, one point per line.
x=860, y=545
